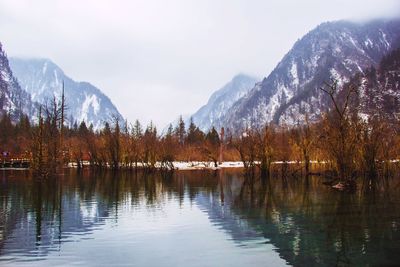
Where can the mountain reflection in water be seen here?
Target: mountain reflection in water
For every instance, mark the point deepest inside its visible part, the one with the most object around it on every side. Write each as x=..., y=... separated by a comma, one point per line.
x=194, y=219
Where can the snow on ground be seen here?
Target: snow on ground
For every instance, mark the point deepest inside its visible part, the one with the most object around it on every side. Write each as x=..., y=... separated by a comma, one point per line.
x=203, y=165
x=184, y=165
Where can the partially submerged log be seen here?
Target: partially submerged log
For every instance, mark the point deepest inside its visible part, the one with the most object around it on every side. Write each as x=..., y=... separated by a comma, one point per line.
x=349, y=186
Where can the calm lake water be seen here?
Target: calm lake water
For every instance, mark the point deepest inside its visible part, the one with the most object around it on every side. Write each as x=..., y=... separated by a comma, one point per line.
x=193, y=219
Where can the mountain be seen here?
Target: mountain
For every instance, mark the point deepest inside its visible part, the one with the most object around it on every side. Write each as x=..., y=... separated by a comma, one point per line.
x=333, y=50
x=222, y=100
x=13, y=100
x=379, y=89
x=43, y=79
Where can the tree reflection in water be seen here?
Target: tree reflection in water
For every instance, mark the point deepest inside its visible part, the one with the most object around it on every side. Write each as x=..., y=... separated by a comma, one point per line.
x=307, y=222
x=312, y=225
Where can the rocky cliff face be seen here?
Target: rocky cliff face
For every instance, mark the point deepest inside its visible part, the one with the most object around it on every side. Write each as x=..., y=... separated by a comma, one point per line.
x=13, y=100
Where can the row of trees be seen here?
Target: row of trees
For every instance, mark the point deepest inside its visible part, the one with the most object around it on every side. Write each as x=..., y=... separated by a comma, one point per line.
x=50, y=145
x=349, y=144
x=133, y=146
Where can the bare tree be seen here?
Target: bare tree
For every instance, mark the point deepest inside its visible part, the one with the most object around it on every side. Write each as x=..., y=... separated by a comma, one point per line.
x=265, y=149
x=339, y=135
x=245, y=144
x=303, y=139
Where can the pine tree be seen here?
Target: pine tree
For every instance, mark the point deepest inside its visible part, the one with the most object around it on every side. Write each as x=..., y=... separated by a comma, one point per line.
x=137, y=129
x=181, y=131
x=213, y=137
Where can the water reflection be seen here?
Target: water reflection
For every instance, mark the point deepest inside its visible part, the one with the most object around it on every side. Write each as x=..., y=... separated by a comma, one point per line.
x=301, y=221
x=311, y=225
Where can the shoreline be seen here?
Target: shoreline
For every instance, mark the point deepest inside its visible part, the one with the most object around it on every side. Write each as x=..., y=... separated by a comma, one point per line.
x=179, y=165
x=197, y=165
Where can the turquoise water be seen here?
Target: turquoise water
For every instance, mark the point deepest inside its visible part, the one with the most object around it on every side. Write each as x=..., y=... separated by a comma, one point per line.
x=194, y=219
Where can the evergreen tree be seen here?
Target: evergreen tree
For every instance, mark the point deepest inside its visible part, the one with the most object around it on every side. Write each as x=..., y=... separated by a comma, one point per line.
x=191, y=136
x=181, y=131
x=137, y=129
x=170, y=131
x=83, y=130
x=213, y=137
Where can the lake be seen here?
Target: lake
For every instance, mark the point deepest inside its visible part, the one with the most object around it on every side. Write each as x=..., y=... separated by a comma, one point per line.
x=194, y=218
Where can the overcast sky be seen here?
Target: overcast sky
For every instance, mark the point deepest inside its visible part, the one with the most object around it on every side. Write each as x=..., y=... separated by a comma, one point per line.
x=159, y=59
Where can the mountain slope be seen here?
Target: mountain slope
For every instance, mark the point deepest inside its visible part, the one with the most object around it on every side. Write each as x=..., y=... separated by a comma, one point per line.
x=13, y=100
x=379, y=89
x=221, y=100
x=333, y=50
x=43, y=79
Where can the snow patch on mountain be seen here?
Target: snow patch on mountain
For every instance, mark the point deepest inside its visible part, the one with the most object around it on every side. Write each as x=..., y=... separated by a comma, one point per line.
x=293, y=72
x=43, y=79
x=13, y=99
x=221, y=101
x=333, y=50
x=90, y=102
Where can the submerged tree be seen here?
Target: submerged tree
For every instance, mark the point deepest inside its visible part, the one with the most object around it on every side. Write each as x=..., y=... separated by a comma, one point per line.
x=265, y=149
x=339, y=132
x=112, y=143
x=211, y=146
x=47, y=154
x=246, y=146
x=38, y=164
x=150, y=147
x=169, y=146
x=303, y=140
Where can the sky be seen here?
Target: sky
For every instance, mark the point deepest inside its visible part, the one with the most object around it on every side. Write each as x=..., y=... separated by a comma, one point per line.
x=157, y=59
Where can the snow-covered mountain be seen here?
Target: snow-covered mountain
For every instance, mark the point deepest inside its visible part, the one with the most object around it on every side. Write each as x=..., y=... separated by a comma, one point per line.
x=379, y=89
x=332, y=50
x=222, y=100
x=13, y=100
x=43, y=79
